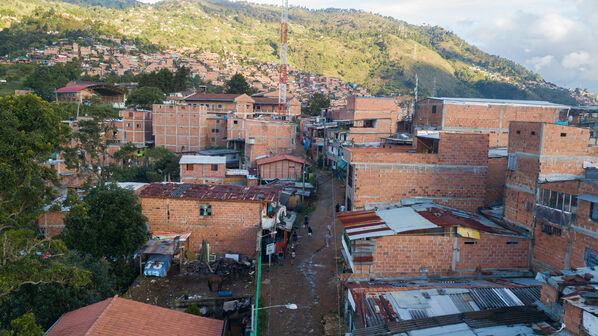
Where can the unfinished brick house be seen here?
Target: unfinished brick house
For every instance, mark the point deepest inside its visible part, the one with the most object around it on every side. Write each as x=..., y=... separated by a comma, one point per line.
x=284, y=167
x=491, y=116
x=229, y=217
x=444, y=167
x=202, y=169
x=367, y=119
x=257, y=137
x=549, y=195
x=571, y=298
x=428, y=239
x=181, y=127
x=134, y=126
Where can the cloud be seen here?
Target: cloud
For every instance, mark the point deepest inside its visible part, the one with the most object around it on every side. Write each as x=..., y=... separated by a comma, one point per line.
x=537, y=63
x=576, y=60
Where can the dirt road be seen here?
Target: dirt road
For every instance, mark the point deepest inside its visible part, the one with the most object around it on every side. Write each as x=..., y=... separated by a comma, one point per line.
x=311, y=281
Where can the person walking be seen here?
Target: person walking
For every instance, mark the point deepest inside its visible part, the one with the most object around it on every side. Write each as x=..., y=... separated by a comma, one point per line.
x=293, y=255
x=342, y=208
x=305, y=221
x=309, y=231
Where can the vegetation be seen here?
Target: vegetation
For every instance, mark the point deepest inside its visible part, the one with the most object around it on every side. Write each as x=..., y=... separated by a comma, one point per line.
x=238, y=84
x=145, y=97
x=316, y=103
x=44, y=80
x=108, y=225
x=381, y=53
x=153, y=165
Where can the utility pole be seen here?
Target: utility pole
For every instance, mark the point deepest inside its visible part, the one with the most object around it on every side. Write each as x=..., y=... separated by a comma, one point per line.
x=415, y=93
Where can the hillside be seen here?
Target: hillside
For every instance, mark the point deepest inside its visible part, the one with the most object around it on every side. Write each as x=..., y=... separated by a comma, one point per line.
x=379, y=53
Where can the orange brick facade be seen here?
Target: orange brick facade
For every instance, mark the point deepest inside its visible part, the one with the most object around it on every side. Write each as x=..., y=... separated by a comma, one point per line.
x=51, y=223
x=232, y=227
x=203, y=173
x=181, y=127
x=455, y=176
x=490, y=118
x=412, y=256
x=134, y=126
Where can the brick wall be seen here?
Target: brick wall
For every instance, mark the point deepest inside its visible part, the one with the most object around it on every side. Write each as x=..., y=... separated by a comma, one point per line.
x=202, y=173
x=232, y=227
x=456, y=176
x=180, y=127
x=486, y=118
x=495, y=179
x=217, y=131
x=135, y=127
x=572, y=318
x=269, y=137
x=52, y=223
x=411, y=255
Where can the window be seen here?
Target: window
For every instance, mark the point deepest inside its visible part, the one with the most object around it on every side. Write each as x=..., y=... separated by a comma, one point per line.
x=214, y=167
x=128, y=125
x=563, y=135
x=594, y=212
x=533, y=133
x=218, y=121
x=138, y=125
x=512, y=164
x=518, y=132
x=350, y=176
x=434, y=109
x=590, y=257
x=370, y=123
x=557, y=200
x=189, y=167
x=130, y=114
x=235, y=122
x=215, y=130
x=219, y=106
x=205, y=210
x=551, y=230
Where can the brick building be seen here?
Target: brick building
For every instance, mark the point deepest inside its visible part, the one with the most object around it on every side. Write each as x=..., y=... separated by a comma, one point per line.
x=285, y=167
x=257, y=137
x=243, y=105
x=445, y=167
x=202, y=169
x=491, y=116
x=181, y=127
x=550, y=195
x=429, y=240
x=134, y=126
x=570, y=297
x=229, y=217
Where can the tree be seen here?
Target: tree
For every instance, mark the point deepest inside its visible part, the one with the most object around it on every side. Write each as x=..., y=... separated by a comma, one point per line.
x=145, y=97
x=108, y=224
x=24, y=326
x=31, y=131
x=316, y=103
x=238, y=84
x=180, y=78
x=45, y=79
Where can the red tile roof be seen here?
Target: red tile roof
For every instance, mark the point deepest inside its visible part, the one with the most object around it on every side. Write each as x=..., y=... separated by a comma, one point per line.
x=117, y=316
x=265, y=100
x=73, y=88
x=213, y=192
x=280, y=157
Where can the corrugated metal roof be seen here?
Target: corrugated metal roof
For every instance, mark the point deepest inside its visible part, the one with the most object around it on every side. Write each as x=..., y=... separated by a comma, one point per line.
x=404, y=219
x=363, y=224
x=202, y=159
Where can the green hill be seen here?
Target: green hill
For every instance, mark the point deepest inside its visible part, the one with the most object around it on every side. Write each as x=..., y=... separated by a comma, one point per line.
x=381, y=53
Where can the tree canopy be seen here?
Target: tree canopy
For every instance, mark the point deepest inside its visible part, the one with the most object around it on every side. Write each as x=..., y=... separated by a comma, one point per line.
x=238, y=84
x=316, y=103
x=45, y=79
x=144, y=97
x=107, y=224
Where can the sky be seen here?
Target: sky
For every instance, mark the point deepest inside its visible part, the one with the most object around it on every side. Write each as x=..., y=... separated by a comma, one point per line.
x=556, y=38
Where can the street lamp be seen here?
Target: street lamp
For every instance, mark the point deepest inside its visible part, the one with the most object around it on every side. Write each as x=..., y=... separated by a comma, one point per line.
x=254, y=310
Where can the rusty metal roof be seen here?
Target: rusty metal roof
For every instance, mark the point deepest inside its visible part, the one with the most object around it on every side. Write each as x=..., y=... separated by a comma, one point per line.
x=364, y=224
x=212, y=192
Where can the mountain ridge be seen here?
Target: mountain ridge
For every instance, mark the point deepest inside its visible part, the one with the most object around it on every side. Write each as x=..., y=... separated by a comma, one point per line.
x=380, y=53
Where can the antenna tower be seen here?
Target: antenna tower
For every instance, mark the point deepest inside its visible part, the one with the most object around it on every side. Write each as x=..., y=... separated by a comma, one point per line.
x=282, y=76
